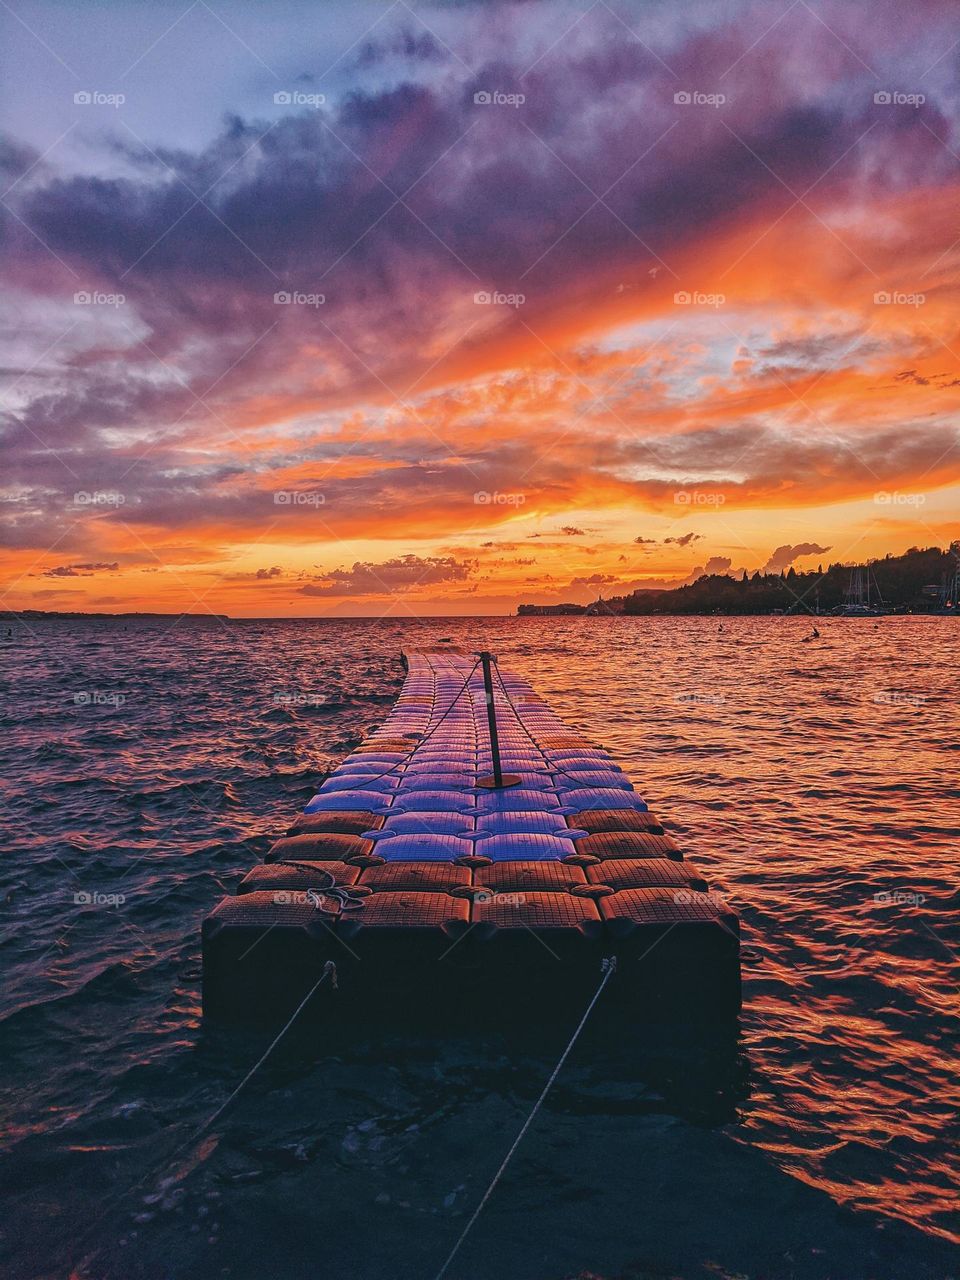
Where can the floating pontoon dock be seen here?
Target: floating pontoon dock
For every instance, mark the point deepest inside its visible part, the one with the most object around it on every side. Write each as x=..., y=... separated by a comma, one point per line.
x=472, y=851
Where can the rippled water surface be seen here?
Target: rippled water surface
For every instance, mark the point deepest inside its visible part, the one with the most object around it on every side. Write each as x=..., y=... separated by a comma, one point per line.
x=814, y=782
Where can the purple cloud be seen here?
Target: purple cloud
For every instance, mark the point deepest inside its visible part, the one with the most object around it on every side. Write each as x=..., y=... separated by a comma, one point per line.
x=390, y=577
x=784, y=556
x=80, y=570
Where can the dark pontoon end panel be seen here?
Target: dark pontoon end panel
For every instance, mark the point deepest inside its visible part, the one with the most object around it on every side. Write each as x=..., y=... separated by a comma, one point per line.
x=425, y=887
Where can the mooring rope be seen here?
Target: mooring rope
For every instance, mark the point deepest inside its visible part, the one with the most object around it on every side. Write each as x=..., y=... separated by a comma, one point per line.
x=346, y=896
x=551, y=765
x=329, y=971
x=609, y=968
x=423, y=741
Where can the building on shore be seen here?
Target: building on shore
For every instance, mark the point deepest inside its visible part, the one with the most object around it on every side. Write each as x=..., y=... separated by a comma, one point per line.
x=549, y=610
x=599, y=609
x=606, y=608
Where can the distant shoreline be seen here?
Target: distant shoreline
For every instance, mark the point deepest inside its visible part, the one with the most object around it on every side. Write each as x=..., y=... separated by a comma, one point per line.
x=38, y=615
x=35, y=615
x=921, y=581
x=796, y=613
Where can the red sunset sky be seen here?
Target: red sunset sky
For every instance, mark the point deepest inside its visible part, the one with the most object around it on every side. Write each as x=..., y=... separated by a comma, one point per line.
x=365, y=309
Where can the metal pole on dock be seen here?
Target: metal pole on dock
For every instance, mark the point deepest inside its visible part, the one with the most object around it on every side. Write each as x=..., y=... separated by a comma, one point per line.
x=499, y=780
x=492, y=719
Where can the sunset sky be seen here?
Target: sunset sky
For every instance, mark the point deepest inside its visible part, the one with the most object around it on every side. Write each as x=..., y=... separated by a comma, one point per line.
x=413, y=308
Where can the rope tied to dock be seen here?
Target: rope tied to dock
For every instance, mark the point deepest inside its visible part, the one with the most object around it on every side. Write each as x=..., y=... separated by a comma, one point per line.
x=552, y=765
x=368, y=782
x=328, y=974
x=608, y=968
x=345, y=896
